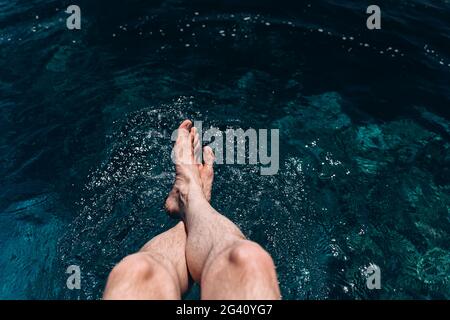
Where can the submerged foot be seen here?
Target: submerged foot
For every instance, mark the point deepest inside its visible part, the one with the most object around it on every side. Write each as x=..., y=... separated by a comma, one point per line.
x=191, y=174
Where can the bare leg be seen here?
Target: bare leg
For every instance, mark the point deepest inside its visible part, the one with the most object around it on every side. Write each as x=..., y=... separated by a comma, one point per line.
x=157, y=271
x=218, y=257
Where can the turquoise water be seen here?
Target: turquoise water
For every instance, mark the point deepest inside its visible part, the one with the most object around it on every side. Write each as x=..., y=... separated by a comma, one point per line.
x=86, y=118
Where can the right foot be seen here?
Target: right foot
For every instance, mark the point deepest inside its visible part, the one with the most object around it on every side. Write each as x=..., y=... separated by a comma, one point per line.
x=191, y=175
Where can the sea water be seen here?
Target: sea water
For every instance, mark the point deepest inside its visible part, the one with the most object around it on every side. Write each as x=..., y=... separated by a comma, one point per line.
x=86, y=118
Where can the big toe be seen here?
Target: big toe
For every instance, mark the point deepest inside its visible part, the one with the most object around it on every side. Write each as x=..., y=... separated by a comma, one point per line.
x=183, y=131
x=182, y=152
x=186, y=125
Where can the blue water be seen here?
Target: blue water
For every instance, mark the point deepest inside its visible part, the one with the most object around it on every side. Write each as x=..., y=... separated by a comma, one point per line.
x=86, y=118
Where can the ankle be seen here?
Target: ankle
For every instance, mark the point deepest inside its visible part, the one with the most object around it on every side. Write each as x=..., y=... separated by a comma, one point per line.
x=192, y=193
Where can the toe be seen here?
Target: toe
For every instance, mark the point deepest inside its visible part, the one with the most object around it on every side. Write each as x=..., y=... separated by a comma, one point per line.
x=183, y=131
x=207, y=172
x=186, y=124
x=197, y=147
x=208, y=156
x=183, y=153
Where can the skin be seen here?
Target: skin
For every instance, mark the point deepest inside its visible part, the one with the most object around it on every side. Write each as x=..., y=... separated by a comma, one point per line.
x=205, y=245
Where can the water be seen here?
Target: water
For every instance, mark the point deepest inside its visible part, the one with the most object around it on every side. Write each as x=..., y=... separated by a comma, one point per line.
x=363, y=115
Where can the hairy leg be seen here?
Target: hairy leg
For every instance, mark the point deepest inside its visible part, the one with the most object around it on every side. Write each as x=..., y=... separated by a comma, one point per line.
x=226, y=265
x=218, y=257
x=157, y=271
x=243, y=271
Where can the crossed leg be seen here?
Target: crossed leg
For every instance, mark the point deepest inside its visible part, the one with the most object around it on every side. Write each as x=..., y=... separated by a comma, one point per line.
x=205, y=245
x=218, y=256
x=159, y=269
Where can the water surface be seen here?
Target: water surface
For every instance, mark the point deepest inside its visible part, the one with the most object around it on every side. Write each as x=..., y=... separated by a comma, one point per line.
x=86, y=118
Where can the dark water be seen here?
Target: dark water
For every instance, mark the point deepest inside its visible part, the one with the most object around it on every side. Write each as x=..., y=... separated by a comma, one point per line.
x=363, y=115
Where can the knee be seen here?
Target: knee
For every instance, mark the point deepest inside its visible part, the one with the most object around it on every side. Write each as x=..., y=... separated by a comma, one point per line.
x=250, y=257
x=136, y=266
x=139, y=276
